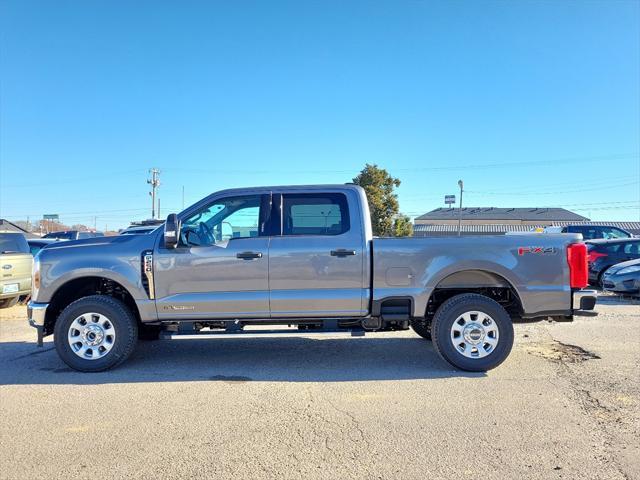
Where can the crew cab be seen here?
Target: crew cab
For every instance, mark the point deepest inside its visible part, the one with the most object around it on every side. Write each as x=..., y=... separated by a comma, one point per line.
x=302, y=258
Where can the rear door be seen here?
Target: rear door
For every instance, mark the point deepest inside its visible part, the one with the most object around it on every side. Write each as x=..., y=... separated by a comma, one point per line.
x=316, y=258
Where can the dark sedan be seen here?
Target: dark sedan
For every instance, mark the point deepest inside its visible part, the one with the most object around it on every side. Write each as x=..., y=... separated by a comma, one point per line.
x=603, y=254
x=623, y=278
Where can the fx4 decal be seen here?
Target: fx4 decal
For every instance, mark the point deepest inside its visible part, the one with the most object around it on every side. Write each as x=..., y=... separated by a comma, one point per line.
x=537, y=250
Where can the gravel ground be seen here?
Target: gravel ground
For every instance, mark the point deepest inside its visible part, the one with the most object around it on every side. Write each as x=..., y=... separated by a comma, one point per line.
x=566, y=404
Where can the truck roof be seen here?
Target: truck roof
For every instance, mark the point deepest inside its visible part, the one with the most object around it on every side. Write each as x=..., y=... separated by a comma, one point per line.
x=329, y=186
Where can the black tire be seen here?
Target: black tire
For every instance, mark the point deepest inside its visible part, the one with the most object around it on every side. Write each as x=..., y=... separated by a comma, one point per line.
x=9, y=302
x=122, y=320
x=422, y=327
x=451, y=311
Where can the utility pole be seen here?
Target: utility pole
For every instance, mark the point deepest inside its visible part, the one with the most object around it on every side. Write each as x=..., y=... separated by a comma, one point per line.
x=159, y=216
x=460, y=184
x=154, y=181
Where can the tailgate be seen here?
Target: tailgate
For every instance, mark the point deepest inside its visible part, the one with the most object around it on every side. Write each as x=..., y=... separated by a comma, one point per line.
x=15, y=273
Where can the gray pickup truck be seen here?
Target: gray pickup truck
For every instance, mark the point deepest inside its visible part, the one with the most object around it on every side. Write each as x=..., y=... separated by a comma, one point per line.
x=300, y=259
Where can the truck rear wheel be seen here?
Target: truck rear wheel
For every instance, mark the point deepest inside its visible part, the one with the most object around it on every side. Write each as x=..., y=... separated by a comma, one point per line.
x=95, y=333
x=422, y=327
x=472, y=332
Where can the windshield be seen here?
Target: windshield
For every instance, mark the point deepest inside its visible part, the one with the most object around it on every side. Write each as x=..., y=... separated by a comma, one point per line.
x=13, y=243
x=137, y=231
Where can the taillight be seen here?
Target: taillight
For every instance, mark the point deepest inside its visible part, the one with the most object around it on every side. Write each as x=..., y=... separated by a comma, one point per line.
x=593, y=256
x=578, y=269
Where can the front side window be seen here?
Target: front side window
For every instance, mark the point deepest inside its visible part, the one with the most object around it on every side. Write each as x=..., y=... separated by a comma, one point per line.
x=315, y=214
x=221, y=221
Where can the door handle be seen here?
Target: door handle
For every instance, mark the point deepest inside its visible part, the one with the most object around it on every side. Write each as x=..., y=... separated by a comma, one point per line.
x=341, y=252
x=249, y=255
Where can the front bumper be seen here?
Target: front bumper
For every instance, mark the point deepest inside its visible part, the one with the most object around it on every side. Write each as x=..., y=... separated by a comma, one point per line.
x=36, y=313
x=584, y=302
x=620, y=284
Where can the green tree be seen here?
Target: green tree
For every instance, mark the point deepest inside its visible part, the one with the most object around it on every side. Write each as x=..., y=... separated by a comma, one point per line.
x=383, y=202
x=402, y=226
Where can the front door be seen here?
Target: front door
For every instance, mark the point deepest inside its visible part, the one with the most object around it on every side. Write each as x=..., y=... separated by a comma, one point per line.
x=220, y=267
x=316, y=264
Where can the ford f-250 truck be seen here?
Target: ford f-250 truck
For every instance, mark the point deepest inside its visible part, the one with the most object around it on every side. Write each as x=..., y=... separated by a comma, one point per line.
x=301, y=258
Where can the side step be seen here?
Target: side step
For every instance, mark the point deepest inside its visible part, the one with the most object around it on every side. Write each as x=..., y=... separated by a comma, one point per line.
x=251, y=333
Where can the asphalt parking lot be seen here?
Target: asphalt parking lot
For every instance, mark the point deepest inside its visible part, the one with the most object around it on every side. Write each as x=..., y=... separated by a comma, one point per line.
x=564, y=405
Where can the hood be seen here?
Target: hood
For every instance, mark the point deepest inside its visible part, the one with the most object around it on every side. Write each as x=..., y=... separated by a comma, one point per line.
x=620, y=266
x=135, y=241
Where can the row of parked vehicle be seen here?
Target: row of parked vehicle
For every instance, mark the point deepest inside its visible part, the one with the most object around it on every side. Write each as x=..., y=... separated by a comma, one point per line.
x=614, y=256
x=614, y=265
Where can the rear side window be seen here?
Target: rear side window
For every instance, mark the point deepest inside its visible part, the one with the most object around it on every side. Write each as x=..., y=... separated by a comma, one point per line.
x=588, y=232
x=315, y=214
x=613, y=248
x=632, y=248
x=13, y=243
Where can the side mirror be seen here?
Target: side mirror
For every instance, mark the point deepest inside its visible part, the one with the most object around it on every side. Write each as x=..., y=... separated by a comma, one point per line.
x=171, y=231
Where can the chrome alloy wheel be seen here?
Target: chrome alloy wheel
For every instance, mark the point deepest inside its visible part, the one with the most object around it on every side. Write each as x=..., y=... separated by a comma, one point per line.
x=91, y=336
x=474, y=334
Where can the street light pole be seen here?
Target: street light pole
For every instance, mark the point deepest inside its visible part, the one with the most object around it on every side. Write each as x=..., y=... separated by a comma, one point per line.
x=460, y=184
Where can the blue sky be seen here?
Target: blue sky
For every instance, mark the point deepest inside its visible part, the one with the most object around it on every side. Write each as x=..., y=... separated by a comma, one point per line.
x=530, y=103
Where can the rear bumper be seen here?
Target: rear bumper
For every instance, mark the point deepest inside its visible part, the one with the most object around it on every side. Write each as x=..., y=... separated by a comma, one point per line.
x=584, y=302
x=19, y=293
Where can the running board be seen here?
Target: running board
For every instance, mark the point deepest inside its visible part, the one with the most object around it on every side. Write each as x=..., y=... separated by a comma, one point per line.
x=168, y=335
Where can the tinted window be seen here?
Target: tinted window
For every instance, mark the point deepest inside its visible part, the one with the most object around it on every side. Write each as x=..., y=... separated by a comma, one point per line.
x=588, y=232
x=613, y=248
x=61, y=235
x=315, y=214
x=84, y=235
x=223, y=220
x=632, y=248
x=610, y=232
x=13, y=243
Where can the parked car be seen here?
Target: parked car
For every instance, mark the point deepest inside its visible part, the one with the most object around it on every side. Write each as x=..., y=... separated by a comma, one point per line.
x=15, y=268
x=37, y=244
x=138, y=229
x=303, y=256
x=603, y=254
x=623, y=278
x=73, y=235
x=591, y=232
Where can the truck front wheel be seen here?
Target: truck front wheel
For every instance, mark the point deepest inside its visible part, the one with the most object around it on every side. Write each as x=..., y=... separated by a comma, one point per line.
x=472, y=332
x=95, y=333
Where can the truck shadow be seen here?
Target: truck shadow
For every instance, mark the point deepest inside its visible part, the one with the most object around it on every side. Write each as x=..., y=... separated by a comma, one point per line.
x=239, y=360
